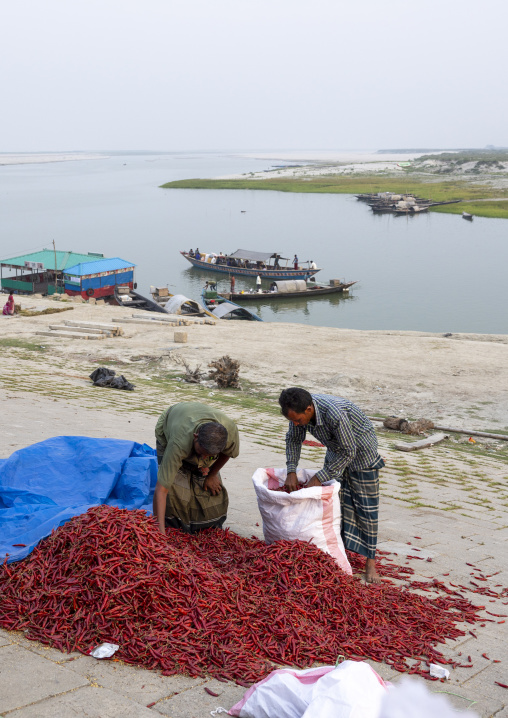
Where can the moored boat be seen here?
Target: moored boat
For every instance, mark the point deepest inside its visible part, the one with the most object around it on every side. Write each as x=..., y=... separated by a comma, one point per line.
x=290, y=289
x=222, y=308
x=127, y=297
x=247, y=263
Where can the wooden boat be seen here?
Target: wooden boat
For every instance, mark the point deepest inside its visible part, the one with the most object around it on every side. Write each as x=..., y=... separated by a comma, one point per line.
x=222, y=308
x=466, y=215
x=133, y=300
x=245, y=263
x=310, y=292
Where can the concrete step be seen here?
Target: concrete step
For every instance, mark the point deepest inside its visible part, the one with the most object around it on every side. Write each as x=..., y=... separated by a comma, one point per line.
x=94, y=325
x=84, y=330
x=71, y=335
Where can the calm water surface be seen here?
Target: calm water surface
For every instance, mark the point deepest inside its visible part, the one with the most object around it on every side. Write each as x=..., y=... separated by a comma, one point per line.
x=432, y=272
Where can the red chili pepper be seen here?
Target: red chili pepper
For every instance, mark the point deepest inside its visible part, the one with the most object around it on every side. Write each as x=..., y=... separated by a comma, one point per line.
x=503, y=685
x=19, y=544
x=210, y=692
x=484, y=655
x=195, y=604
x=151, y=704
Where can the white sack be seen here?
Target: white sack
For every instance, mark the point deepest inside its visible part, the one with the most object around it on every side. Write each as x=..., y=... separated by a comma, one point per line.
x=352, y=690
x=307, y=515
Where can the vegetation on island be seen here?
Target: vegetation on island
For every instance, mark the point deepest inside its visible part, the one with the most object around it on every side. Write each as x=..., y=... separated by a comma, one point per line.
x=473, y=195
x=477, y=177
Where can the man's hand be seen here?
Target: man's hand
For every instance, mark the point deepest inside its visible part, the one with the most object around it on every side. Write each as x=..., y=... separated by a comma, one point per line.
x=212, y=484
x=292, y=482
x=312, y=482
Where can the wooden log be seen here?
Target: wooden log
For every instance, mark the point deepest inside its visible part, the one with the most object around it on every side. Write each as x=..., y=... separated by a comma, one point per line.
x=451, y=430
x=423, y=444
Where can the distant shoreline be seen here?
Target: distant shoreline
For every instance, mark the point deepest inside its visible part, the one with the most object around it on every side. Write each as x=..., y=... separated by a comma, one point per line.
x=32, y=158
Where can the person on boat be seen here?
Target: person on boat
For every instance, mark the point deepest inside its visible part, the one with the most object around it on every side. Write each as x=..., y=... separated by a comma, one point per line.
x=273, y=287
x=276, y=262
x=313, y=264
x=191, y=253
x=197, y=255
x=193, y=443
x=352, y=458
x=258, y=283
x=8, y=309
x=232, y=286
x=295, y=261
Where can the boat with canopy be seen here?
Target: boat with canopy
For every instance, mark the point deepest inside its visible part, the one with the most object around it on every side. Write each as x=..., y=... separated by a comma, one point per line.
x=247, y=263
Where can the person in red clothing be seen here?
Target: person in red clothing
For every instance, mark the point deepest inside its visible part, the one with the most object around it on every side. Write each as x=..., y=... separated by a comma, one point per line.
x=9, y=305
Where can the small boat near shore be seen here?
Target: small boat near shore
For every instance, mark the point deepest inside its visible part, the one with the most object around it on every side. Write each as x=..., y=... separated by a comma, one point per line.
x=124, y=296
x=289, y=290
x=466, y=215
x=246, y=263
x=222, y=308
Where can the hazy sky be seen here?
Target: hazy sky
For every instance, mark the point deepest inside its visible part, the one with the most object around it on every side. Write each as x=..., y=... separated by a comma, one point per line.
x=275, y=74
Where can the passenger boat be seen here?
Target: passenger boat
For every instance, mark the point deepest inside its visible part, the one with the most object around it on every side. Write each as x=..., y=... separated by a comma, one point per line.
x=245, y=263
x=221, y=308
x=290, y=289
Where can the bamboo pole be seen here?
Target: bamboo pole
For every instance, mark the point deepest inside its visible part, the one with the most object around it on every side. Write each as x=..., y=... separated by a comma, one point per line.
x=467, y=432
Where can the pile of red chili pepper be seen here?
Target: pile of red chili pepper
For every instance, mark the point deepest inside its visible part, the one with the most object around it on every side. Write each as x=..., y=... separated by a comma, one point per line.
x=215, y=602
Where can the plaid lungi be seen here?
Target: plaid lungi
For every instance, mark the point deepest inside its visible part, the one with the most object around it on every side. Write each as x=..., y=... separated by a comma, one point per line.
x=359, y=500
x=189, y=506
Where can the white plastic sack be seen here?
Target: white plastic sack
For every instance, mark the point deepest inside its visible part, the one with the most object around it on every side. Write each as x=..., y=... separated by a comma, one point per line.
x=307, y=515
x=353, y=690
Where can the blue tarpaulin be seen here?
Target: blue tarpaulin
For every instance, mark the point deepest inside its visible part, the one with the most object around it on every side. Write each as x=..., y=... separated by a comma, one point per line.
x=44, y=485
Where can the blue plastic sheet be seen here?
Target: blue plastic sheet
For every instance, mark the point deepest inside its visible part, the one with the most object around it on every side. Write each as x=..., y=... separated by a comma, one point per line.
x=46, y=484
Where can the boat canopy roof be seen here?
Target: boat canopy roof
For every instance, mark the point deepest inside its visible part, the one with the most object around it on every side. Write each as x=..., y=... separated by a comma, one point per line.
x=253, y=256
x=222, y=309
x=175, y=303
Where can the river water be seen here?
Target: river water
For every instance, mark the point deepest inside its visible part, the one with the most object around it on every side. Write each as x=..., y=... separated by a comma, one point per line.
x=432, y=272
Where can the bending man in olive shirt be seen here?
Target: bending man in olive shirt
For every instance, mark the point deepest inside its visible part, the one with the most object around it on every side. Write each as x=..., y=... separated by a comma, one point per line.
x=193, y=443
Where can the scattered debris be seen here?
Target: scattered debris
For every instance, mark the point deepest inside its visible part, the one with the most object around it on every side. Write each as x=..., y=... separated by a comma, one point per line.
x=423, y=444
x=408, y=427
x=107, y=378
x=40, y=312
x=226, y=372
x=192, y=376
x=105, y=650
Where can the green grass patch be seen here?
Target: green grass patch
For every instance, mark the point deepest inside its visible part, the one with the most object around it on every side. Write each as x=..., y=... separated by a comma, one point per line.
x=495, y=209
x=437, y=191
x=21, y=344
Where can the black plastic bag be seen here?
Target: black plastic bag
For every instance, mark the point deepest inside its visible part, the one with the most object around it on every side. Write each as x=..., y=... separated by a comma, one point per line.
x=107, y=377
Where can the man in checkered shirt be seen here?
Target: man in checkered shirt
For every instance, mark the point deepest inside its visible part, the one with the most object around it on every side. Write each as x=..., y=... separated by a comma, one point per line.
x=352, y=458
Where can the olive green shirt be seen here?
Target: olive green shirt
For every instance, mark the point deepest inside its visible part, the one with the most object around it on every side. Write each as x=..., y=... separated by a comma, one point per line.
x=175, y=431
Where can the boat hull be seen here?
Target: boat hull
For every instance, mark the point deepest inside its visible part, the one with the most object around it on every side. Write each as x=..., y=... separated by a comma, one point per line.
x=243, y=272
x=275, y=296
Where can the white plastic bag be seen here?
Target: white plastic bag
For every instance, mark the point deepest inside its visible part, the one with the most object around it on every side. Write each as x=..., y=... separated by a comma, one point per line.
x=105, y=650
x=307, y=515
x=353, y=690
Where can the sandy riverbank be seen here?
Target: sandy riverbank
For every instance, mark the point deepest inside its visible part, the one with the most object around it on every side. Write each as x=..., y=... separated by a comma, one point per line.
x=461, y=380
x=26, y=158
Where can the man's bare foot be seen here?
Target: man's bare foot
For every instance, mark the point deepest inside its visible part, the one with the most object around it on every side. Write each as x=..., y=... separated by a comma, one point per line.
x=371, y=575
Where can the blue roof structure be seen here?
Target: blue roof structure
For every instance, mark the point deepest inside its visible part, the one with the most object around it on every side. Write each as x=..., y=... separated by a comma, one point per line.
x=100, y=265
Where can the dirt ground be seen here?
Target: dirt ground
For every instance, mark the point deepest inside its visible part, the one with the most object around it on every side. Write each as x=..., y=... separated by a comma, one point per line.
x=459, y=380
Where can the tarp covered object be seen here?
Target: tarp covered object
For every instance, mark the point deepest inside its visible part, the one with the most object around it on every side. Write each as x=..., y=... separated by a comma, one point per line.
x=44, y=485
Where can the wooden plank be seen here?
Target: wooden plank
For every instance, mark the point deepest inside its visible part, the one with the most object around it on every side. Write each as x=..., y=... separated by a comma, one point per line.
x=423, y=444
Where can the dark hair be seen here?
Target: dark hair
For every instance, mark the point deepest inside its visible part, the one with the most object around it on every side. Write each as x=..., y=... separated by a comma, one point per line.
x=294, y=399
x=212, y=437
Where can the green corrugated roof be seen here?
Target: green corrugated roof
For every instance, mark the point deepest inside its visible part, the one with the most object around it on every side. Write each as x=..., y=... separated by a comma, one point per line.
x=47, y=257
